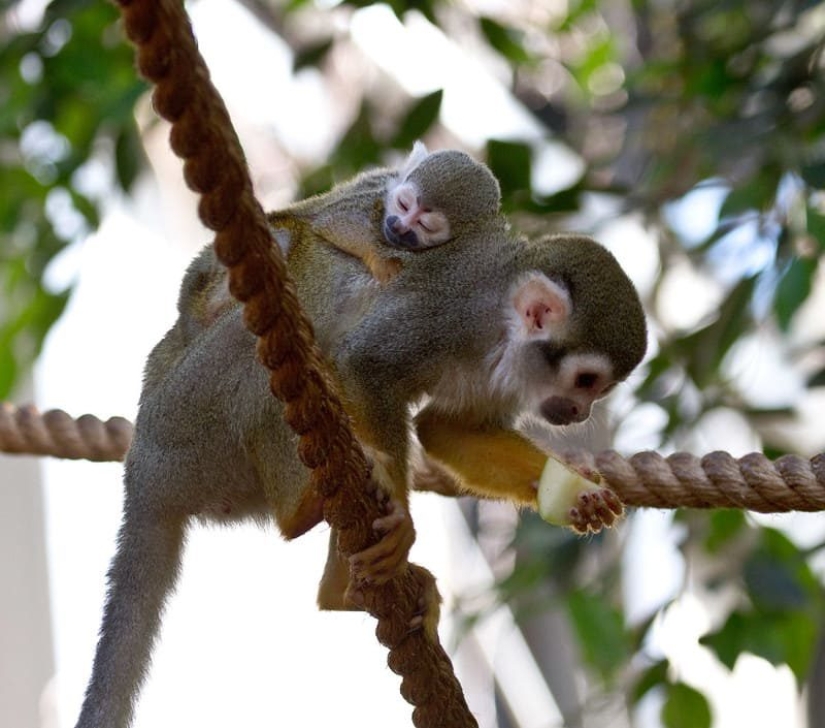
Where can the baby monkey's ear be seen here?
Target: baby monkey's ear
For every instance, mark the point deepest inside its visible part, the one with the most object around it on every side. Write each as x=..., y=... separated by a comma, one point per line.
x=417, y=155
x=541, y=305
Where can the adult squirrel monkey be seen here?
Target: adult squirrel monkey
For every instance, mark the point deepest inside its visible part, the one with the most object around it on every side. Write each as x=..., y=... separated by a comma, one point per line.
x=379, y=217
x=487, y=328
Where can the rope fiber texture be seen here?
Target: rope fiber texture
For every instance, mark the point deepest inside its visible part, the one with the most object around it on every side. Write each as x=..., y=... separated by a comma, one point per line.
x=24, y=430
x=645, y=480
x=215, y=167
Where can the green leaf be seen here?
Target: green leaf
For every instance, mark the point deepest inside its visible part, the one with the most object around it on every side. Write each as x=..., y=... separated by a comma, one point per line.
x=815, y=223
x=401, y=7
x=771, y=584
x=653, y=677
x=85, y=207
x=61, y=8
x=814, y=175
x=778, y=577
x=311, y=54
x=511, y=163
x=793, y=289
x=780, y=638
x=129, y=156
x=576, y=11
x=8, y=371
x=685, y=707
x=723, y=525
x=358, y=147
x=602, y=636
x=418, y=120
x=507, y=41
x=566, y=200
x=757, y=195
x=818, y=379
x=705, y=348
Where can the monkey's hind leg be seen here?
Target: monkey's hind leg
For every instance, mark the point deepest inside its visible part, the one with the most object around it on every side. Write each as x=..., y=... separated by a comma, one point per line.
x=142, y=574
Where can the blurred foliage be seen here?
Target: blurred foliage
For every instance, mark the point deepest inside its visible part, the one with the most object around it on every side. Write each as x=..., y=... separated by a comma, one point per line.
x=62, y=112
x=662, y=102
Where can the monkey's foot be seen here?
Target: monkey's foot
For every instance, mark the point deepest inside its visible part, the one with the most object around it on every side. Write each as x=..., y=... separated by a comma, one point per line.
x=567, y=498
x=431, y=477
x=594, y=510
x=387, y=558
x=428, y=609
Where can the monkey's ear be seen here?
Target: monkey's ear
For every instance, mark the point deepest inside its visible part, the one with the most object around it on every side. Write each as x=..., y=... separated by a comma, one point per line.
x=417, y=155
x=541, y=305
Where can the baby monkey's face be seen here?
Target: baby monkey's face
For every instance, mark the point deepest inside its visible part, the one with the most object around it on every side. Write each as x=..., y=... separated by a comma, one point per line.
x=410, y=225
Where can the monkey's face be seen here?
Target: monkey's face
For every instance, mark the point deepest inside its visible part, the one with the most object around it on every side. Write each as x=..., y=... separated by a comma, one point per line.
x=557, y=378
x=408, y=223
x=564, y=392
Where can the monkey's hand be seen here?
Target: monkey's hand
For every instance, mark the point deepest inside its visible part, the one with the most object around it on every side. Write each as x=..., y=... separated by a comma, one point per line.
x=383, y=269
x=380, y=562
x=568, y=495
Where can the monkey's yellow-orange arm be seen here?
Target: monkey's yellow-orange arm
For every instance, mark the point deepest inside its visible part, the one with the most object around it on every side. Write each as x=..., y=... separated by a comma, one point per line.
x=495, y=463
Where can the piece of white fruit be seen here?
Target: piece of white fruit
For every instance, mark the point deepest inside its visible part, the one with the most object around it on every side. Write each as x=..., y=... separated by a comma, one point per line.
x=559, y=487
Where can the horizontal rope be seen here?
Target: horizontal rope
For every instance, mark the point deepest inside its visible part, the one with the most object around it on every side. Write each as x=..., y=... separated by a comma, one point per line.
x=646, y=479
x=24, y=430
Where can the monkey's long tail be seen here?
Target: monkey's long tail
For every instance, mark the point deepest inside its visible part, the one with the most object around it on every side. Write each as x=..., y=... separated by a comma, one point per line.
x=143, y=573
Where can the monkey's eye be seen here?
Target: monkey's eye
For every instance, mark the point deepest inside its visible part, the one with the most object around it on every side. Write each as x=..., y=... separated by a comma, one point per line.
x=435, y=226
x=586, y=380
x=406, y=199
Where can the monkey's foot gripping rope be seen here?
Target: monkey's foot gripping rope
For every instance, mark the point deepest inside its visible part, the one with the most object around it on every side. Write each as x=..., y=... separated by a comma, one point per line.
x=202, y=134
x=25, y=430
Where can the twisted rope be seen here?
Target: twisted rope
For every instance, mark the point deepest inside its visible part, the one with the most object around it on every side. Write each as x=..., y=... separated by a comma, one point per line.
x=202, y=135
x=717, y=480
x=24, y=430
x=644, y=480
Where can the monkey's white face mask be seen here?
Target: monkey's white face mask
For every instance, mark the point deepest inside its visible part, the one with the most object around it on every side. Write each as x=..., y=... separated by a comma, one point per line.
x=551, y=382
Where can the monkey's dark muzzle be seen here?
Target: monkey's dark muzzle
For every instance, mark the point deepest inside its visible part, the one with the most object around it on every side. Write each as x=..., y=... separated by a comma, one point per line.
x=563, y=411
x=400, y=238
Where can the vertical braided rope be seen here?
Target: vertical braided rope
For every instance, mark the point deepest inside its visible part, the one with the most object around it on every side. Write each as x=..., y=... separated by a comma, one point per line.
x=215, y=167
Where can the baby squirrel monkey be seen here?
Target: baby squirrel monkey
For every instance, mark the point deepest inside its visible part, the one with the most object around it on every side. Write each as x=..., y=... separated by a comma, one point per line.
x=379, y=217
x=489, y=327
x=424, y=202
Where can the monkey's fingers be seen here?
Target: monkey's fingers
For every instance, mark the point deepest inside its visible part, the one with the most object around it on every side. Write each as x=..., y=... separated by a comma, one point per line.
x=583, y=462
x=388, y=557
x=428, y=611
x=396, y=517
x=385, y=269
x=594, y=510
